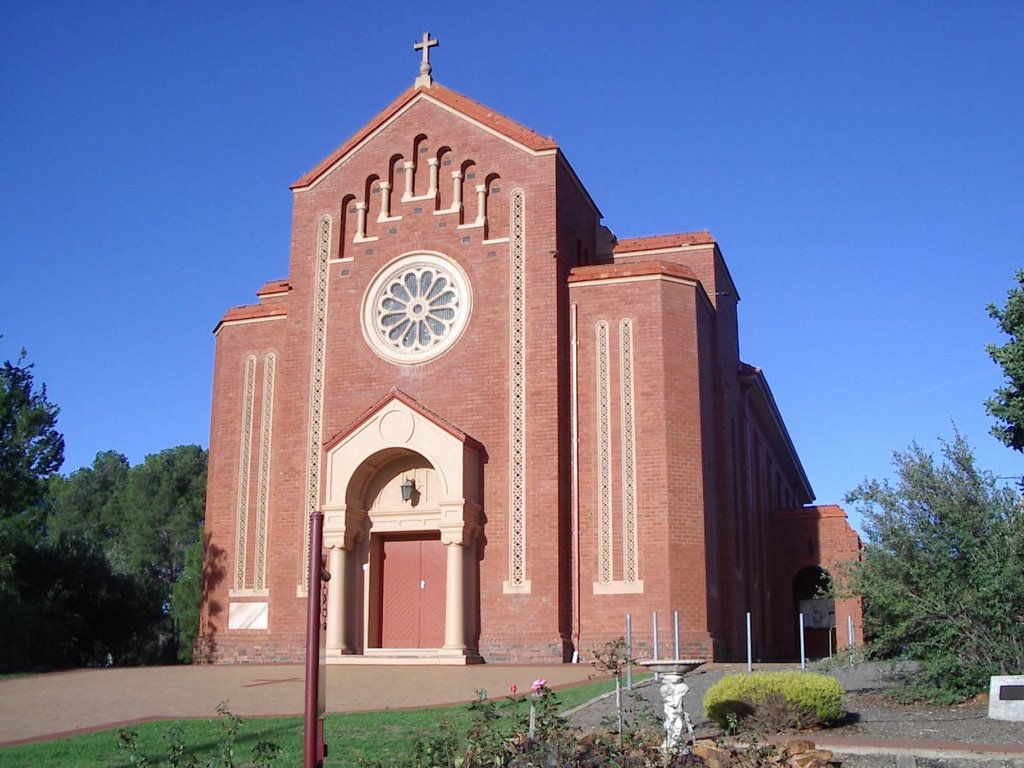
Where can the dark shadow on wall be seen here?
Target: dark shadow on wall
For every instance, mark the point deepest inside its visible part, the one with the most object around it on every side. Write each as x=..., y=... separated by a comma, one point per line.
x=212, y=611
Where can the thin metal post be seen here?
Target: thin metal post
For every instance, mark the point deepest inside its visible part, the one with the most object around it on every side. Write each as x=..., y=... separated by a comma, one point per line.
x=629, y=652
x=853, y=649
x=675, y=622
x=803, y=655
x=750, y=651
x=654, y=625
x=312, y=734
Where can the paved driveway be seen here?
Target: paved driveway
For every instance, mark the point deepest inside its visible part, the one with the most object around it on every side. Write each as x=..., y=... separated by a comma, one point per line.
x=67, y=703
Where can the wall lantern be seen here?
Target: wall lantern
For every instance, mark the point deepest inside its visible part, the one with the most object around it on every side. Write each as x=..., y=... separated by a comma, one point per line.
x=408, y=488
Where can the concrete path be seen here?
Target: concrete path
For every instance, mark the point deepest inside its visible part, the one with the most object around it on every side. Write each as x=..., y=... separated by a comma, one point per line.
x=69, y=703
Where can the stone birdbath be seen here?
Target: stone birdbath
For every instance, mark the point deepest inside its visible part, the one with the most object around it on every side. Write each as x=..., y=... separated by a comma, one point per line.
x=672, y=691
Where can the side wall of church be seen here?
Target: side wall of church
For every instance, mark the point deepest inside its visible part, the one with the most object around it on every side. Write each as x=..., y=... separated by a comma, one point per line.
x=243, y=565
x=641, y=403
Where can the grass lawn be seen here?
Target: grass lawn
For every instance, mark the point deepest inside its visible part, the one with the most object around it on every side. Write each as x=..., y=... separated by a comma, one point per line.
x=387, y=736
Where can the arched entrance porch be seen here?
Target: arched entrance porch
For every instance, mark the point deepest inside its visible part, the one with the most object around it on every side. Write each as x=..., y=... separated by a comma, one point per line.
x=819, y=612
x=401, y=528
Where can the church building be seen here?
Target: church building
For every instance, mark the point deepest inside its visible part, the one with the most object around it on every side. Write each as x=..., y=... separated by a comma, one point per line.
x=518, y=427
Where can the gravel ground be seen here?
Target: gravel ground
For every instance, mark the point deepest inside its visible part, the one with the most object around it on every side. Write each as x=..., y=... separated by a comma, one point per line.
x=871, y=715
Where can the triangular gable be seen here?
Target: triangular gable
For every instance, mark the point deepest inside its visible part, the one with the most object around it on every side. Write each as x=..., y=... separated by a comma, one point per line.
x=467, y=109
x=413, y=404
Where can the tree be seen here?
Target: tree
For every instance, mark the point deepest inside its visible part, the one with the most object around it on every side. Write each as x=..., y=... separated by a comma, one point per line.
x=163, y=509
x=88, y=503
x=1007, y=406
x=31, y=451
x=145, y=520
x=164, y=505
x=943, y=572
x=186, y=595
x=31, y=448
x=71, y=609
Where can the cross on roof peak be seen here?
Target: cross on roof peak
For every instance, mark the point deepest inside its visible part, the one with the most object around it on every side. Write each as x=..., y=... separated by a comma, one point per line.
x=425, y=45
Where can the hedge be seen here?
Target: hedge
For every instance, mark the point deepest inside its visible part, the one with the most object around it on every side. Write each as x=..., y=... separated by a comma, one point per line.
x=736, y=696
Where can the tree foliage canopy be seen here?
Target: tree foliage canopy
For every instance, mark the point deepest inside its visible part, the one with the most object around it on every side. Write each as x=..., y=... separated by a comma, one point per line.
x=943, y=572
x=1007, y=405
x=145, y=520
x=93, y=566
x=31, y=448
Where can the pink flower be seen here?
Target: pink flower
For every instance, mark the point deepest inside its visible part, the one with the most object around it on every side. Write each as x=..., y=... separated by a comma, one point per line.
x=514, y=689
x=538, y=685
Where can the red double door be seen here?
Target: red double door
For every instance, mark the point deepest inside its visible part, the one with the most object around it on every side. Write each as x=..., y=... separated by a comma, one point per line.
x=412, y=571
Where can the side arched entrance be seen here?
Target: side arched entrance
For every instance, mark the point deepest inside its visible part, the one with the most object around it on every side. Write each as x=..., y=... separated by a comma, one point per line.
x=401, y=529
x=818, y=612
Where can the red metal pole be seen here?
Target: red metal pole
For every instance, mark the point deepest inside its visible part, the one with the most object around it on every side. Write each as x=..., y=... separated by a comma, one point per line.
x=310, y=750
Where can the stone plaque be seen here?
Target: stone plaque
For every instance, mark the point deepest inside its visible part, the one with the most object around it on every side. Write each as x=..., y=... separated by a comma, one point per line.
x=247, y=615
x=1006, y=698
x=1011, y=693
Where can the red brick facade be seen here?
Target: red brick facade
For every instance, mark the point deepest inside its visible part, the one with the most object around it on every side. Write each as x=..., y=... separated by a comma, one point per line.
x=614, y=454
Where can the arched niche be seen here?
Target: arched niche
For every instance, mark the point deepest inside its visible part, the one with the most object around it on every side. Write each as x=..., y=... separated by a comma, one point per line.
x=365, y=464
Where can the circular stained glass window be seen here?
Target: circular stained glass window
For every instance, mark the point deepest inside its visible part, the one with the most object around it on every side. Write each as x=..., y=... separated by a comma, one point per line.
x=416, y=308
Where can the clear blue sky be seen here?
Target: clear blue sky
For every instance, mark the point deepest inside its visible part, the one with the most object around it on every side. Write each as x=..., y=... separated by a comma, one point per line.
x=861, y=164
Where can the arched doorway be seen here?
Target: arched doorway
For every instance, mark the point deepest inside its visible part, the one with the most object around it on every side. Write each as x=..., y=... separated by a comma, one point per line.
x=819, y=612
x=402, y=555
x=401, y=525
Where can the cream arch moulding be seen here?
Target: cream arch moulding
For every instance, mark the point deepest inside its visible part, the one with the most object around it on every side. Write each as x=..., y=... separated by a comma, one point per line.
x=361, y=465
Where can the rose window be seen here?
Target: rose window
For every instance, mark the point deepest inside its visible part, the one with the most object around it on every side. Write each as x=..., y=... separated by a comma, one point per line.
x=416, y=308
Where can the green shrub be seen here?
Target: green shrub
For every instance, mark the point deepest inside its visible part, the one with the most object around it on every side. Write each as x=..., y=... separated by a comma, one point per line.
x=808, y=699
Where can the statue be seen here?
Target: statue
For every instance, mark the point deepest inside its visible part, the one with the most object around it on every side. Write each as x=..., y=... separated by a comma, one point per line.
x=672, y=691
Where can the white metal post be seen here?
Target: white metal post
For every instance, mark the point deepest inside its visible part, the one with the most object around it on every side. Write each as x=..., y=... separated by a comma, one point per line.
x=803, y=655
x=849, y=629
x=675, y=622
x=654, y=626
x=629, y=652
x=750, y=651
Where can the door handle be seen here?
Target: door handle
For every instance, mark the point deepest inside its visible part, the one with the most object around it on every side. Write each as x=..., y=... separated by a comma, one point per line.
x=423, y=584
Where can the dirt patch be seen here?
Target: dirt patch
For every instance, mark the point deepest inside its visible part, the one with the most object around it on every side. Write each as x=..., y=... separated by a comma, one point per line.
x=874, y=715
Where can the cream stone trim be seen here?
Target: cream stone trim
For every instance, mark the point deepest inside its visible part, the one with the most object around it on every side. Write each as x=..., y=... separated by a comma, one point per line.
x=318, y=355
x=495, y=241
x=342, y=260
x=454, y=505
x=619, y=588
x=605, y=557
x=659, y=251
x=224, y=324
x=364, y=473
x=517, y=581
x=630, y=546
x=634, y=279
x=248, y=593
x=263, y=493
x=422, y=96
x=244, y=470
x=438, y=263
